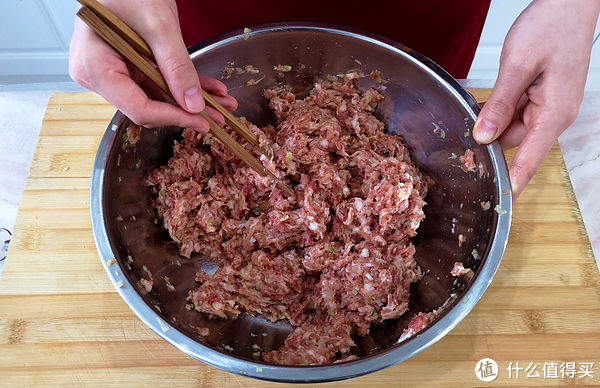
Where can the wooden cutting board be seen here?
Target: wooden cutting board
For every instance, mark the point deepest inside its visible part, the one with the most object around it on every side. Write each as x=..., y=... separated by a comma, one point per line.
x=62, y=323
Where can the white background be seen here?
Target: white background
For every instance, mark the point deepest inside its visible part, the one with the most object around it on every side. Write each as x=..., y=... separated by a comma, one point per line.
x=34, y=39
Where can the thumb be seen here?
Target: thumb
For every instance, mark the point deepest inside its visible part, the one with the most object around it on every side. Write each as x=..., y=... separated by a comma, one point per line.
x=498, y=111
x=176, y=66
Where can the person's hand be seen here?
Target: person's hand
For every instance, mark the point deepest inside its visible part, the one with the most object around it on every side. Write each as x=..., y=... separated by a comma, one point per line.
x=540, y=84
x=96, y=66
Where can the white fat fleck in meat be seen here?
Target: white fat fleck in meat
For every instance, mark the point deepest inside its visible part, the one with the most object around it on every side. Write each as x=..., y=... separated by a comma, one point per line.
x=355, y=124
x=358, y=204
x=330, y=260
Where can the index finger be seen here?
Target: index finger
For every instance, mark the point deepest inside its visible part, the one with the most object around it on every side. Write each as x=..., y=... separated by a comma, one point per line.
x=528, y=158
x=118, y=88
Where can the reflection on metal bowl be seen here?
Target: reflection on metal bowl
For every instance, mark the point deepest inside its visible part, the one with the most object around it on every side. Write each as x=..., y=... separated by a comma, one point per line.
x=422, y=103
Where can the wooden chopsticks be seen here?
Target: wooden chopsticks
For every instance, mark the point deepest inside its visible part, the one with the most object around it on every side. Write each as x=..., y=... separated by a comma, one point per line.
x=126, y=41
x=132, y=37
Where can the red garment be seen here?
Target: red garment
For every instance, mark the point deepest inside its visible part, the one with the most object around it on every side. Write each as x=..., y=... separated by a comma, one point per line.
x=446, y=31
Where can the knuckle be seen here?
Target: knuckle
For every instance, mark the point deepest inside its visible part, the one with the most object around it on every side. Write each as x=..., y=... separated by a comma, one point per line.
x=517, y=166
x=89, y=76
x=75, y=75
x=139, y=118
x=559, y=115
x=76, y=72
x=522, y=171
x=570, y=111
x=499, y=108
x=514, y=63
x=176, y=66
x=162, y=15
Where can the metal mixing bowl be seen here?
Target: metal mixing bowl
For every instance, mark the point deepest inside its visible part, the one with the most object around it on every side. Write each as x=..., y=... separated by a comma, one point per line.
x=420, y=97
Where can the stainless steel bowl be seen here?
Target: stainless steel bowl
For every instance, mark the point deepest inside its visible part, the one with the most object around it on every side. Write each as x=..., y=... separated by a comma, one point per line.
x=420, y=97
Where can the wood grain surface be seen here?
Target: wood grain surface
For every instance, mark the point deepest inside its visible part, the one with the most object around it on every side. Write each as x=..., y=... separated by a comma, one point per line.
x=63, y=324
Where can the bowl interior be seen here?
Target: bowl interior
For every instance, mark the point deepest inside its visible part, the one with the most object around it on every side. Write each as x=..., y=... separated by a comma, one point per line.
x=432, y=117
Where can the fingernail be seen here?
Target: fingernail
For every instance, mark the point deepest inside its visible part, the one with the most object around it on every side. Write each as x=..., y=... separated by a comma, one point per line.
x=194, y=101
x=484, y=131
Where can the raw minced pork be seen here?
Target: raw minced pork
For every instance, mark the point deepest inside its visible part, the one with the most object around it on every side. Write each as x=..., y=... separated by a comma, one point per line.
x=331, y=263
x=467, y=162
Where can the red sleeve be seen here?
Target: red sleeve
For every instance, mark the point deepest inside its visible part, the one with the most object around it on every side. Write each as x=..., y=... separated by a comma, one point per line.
x=445, y=31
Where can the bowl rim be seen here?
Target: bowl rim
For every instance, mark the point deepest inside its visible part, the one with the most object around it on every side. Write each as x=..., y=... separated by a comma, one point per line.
x=377, y=361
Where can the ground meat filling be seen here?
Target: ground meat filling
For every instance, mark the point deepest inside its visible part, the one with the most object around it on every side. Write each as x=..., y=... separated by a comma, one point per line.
x=467, y=163
x=332, y=263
